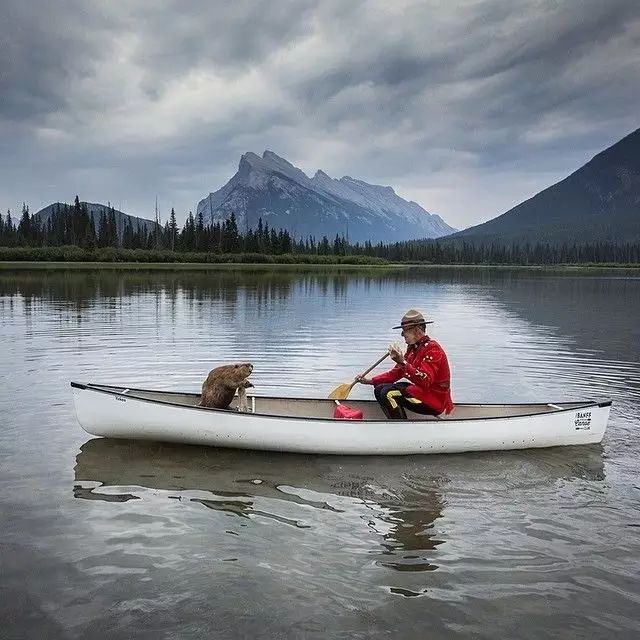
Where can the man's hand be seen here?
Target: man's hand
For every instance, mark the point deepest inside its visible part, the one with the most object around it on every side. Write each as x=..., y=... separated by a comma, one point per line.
x=362, y=380
x=396, y=355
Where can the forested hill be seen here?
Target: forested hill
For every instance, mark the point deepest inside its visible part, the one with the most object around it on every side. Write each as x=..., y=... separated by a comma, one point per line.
x=100, y=213
x=600, y=202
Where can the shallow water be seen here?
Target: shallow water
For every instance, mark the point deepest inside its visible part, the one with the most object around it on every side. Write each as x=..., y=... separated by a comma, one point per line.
x=118, y=539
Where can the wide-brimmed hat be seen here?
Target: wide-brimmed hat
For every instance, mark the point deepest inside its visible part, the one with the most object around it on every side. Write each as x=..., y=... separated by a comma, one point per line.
x=412, y=318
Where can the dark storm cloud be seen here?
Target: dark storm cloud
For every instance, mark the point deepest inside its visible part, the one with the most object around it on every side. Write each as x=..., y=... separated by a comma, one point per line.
x=48, y=46
x=558, y=33
x=165, y=96
x=228, y=37
x=44, y=48
x=516, y=59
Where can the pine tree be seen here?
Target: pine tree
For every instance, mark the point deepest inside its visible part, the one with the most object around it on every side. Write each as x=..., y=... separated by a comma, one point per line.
x=215, y=238
x=201, y=240
x=87, y=228
x=24, y=227
x=113, y=239
x=232, y=234
x=173, y=229
x=75, y=220
x=273, y=241
x=266, y=239
x=10, y=230
x=138, y=241
x=188, y=235
x=103, y=230
x=286, y=244
x=127, y=235
x=260, y=235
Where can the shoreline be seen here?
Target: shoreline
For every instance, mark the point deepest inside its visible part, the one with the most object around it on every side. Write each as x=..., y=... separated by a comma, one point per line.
x=212, y=266
x=188, y=266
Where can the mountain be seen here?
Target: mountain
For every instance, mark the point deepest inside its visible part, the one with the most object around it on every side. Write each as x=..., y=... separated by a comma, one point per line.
x=271, y=188
x=96, y=210
x=600, y=202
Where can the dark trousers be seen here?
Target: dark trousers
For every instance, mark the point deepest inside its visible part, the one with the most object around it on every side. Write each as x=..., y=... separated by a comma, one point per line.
x=394, y=400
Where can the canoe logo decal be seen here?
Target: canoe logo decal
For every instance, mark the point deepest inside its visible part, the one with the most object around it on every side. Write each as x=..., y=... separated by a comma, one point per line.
x=121, y=399
x=583, y=420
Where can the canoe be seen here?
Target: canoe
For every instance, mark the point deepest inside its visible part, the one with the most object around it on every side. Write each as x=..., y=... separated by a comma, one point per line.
x=306, y=425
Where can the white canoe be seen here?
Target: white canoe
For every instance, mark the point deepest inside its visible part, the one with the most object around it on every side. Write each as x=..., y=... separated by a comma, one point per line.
x=307, y=425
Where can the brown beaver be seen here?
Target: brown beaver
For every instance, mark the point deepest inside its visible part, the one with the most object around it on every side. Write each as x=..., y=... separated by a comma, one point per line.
x=223, y=382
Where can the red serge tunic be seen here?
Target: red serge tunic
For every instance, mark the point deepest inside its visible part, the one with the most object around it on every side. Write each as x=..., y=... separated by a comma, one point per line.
x=427, y=369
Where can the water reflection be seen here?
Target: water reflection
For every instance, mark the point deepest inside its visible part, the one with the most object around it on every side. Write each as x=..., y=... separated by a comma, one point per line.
x=545, y=300
x=412, y=531
x=237, y=482
x=574, y=307
x=83, y=285
x=180, y=535
x=397, y=500
x=82, y=288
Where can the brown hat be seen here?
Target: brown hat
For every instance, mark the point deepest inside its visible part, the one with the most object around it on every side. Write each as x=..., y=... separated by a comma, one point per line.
x=412, y=318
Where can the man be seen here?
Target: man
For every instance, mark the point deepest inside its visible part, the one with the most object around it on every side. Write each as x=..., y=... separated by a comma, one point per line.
x=426, y=367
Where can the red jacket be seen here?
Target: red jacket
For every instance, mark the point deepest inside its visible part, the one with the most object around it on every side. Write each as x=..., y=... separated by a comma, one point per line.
x=427, y=369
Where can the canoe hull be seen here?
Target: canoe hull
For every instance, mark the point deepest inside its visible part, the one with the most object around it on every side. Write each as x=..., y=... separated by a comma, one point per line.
x=115, y=415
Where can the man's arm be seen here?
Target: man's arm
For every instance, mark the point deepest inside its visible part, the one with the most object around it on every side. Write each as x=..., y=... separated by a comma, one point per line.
x=393, y=375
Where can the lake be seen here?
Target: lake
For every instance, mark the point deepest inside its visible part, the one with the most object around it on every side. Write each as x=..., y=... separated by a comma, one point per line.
x=122, y=539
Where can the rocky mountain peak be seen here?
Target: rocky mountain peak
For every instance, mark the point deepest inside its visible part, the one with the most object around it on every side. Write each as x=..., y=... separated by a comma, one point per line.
x=249, y=162
x=272, y=188
x=276, y=160
x=270, y=162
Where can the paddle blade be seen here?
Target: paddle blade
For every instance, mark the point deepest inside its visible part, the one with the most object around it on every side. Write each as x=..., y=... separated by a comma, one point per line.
x=341, y=392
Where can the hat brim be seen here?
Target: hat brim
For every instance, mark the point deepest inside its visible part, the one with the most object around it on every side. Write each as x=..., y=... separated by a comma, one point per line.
x=408, y=325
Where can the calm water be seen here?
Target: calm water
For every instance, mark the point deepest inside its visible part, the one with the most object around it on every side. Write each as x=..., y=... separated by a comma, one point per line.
x=117, y=539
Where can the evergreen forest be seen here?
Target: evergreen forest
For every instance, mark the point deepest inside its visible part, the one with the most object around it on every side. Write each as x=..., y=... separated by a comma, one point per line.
x=72, y=233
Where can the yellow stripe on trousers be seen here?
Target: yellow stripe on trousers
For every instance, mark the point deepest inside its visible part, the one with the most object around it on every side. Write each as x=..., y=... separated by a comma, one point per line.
x=394, y=393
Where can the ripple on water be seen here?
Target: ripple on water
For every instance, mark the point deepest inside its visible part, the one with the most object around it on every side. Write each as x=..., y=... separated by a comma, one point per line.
x=170, y=538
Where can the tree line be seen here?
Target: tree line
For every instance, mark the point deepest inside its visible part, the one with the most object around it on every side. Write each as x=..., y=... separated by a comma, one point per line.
x=75, y=226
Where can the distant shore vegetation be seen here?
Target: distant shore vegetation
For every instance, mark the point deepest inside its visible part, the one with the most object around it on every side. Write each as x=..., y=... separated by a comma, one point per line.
x=159, y=256
x=71, y=234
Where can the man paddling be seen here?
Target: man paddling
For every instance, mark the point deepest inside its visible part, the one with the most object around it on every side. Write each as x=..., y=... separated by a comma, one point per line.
x=424, y=364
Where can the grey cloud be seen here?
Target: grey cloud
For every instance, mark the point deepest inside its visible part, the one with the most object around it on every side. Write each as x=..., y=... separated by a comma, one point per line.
x=402, y=96
x=225, y=37
x=48, y=46
x=44, y=48
x=557, y=35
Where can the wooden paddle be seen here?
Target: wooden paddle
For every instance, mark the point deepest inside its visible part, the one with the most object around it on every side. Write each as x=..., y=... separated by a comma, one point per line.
x=342, y=391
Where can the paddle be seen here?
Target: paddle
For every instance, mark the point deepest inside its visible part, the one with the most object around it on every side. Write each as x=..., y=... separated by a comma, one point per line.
x=342, y=391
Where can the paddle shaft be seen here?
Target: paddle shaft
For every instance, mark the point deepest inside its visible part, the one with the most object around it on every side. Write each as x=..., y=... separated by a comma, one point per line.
x=375, y=364
x=342, y=391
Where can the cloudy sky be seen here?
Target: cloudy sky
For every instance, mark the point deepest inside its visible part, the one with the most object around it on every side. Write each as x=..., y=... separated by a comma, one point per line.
x=467, y=107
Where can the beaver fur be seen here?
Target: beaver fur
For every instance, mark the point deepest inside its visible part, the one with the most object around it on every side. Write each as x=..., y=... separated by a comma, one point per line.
x=222, y=383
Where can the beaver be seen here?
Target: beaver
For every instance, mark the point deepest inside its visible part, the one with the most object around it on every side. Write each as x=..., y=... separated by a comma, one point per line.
x=223, y=382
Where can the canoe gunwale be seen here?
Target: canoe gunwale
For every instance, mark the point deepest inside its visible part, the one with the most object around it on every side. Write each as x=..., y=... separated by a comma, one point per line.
x=96, y=388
